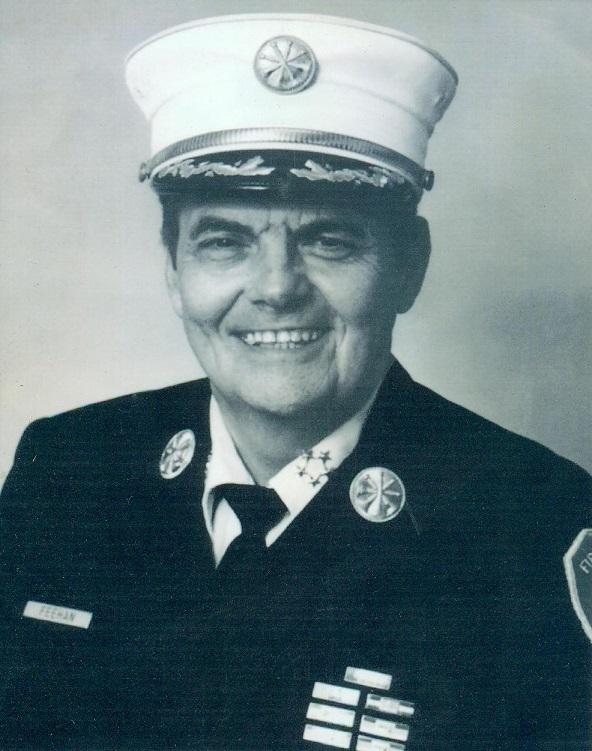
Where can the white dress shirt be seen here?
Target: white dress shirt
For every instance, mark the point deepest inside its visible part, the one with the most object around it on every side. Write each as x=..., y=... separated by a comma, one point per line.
x=296, y=484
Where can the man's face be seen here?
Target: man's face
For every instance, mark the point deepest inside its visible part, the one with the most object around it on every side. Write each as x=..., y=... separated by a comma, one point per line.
x=289, y=308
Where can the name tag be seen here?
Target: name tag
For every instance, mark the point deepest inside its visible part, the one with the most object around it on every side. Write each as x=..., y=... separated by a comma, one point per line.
x=368, y=678
x=42, y=611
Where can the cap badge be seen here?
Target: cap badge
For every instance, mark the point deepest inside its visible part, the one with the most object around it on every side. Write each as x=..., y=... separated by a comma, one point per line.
x=177, y=454
x=578, y=568
x=285, y=65
x=377, y=494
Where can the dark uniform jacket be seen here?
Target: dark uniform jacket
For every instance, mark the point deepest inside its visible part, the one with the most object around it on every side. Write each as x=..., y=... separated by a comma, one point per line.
x=461, y=598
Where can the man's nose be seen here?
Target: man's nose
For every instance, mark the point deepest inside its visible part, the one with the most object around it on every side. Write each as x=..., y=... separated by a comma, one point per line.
x=278, y=276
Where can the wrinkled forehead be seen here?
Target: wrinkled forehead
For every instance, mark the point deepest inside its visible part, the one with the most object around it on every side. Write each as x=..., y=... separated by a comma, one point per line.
x=258, y=211
x=259, y=215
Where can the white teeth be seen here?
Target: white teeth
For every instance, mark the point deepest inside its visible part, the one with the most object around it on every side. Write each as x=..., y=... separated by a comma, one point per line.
x=284, y=339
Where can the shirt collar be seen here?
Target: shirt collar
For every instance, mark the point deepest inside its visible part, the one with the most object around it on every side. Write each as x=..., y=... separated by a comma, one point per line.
x=224, y=464
x=299, y=481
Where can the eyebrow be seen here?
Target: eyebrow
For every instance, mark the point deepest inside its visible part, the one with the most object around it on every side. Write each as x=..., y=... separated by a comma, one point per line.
x=217, y=224
x=315, y=227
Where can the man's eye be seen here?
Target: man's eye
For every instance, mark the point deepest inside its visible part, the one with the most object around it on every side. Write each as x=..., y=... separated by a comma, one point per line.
x=330, y=246
x=220, y=246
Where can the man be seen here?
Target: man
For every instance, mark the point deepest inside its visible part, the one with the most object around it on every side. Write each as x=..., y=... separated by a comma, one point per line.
x=307, y=549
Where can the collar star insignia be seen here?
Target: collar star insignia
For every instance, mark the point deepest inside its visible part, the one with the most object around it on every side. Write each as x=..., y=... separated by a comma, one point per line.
x=313, y=467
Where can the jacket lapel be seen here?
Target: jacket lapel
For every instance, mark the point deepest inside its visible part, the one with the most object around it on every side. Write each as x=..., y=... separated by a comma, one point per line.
x=167, y=530
x=329, y=529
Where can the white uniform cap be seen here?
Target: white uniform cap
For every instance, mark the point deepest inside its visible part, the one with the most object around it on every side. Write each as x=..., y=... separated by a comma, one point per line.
x=258, y=83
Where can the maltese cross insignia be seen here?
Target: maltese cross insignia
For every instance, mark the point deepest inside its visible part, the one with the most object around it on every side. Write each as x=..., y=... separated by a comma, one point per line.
x=177, y=454
x=285, y=65
x=377, y=494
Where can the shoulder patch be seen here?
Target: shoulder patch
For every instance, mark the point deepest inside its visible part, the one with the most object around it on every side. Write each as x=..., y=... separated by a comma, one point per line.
x=578, y=569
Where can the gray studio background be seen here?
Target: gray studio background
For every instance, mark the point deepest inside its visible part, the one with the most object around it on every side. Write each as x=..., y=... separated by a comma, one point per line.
x=503, y=323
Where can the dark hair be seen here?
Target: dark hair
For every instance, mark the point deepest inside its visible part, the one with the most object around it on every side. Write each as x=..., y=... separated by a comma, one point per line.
x=171, y=204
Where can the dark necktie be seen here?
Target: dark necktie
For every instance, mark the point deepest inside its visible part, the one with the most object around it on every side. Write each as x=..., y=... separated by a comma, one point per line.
x=258, y=510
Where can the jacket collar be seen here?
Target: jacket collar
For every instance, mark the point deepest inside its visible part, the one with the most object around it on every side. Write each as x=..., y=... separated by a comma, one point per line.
x=391, y=438
x=329, y=530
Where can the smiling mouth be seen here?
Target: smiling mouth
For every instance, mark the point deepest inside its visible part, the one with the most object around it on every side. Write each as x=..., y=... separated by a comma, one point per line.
x=281, y=338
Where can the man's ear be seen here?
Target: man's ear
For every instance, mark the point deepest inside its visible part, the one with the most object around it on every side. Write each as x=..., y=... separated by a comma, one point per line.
x=414, y=263
x=172, y=281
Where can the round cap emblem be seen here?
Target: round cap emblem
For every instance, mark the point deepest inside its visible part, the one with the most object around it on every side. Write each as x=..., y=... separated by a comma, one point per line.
x=177, y=454
x=285, y=65
x=377, y=494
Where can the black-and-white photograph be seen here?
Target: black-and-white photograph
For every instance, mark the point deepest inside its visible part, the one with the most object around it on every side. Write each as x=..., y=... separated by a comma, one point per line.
x=295, y=399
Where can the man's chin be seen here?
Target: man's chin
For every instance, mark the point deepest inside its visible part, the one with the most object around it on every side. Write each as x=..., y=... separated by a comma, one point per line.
x=288, y=402
x=284, y=408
